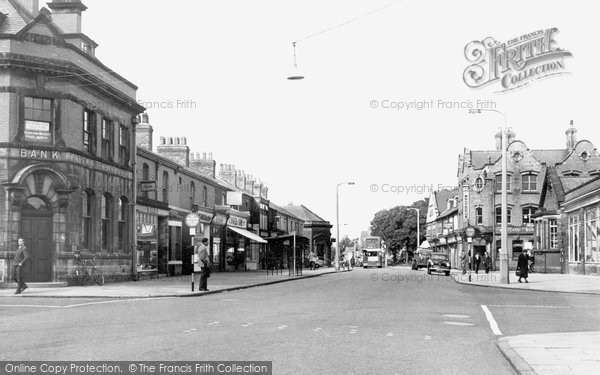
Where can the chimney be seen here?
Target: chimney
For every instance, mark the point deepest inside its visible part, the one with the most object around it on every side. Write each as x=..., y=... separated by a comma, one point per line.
x=143, y=133
x=176, y=150
x=66, y=14
x=571, y=137
x=227, y=173
x=499, y=141
x=32, y=6
x=512, y=136
x=250, y=185
x=205, y=165
x=240, y=180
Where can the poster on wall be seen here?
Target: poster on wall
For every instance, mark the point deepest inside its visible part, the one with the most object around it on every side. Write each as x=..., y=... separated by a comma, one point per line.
x=37, y=131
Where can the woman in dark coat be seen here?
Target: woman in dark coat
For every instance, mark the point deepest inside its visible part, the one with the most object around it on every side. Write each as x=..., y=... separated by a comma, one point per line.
x=523, y=266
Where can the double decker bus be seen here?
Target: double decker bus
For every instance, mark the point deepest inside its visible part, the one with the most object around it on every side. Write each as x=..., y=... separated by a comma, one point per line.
x=373, y=252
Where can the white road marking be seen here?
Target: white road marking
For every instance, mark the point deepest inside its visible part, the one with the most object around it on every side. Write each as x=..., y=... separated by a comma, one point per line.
x=490, y=318
x=247, y=325
x=458, y=316
x=213, y=323
x=390, y=334
x=317, y=329
x=532, y=306
x=427, y=337
x=88, y=303
x=39, y=306
x=282, y=327
x=458, y=324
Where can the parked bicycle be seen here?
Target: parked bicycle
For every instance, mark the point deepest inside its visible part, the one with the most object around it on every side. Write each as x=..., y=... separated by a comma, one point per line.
x=86, y=270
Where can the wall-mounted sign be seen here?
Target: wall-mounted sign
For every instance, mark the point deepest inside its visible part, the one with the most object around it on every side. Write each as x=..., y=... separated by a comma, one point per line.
x=219, y=220
x=205, y=218
x=470, y=232
x=38, y=154
x=38, y=131
x=234, y=198
x=146, y=186
x=238, y=222
x=525, y=229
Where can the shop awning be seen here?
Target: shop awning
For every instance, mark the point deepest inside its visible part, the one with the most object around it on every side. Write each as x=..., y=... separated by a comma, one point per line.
x=248, y=234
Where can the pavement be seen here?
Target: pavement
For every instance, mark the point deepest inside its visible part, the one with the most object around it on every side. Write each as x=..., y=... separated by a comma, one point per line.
x=551, y=353
x=179, y=286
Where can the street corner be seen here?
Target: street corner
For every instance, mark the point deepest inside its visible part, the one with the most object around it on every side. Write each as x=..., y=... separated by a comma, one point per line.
x=520, y=366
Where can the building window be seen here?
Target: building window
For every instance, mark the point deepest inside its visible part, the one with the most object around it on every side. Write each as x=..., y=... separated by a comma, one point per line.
x=479, y=183
x=574, y=226
x=529, y=182
x=89, y=132
x=479, y=215
x=107, y=139
x=591, y=236
x=192, y=193
x=38, y=115
x=145, y=176
x=106, y=215
x=165, y=187
x=499, y=183
x=122, y=224
x=553, y=223
x=499, y=215
x=123, y=145
x=528, y=215
x=87, y=205
x=204, y=196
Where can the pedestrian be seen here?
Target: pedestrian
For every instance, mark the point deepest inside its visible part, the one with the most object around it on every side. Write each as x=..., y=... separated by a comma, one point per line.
x=477, y=262
x=523, y=267
x=19, y=261
x=347, y=259
x=311, y=260
x=463, y=261
x=204, y=260
x=487, y=262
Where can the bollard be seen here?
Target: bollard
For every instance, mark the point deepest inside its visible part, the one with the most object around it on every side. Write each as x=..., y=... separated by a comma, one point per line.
x=192, y=281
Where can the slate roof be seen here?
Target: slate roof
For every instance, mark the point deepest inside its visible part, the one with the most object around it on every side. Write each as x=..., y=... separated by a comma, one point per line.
x=304, y=213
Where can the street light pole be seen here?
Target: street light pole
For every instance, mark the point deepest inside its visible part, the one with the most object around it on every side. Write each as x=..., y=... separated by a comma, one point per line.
x=337, y=222
x=418, y=225
x=504, y=264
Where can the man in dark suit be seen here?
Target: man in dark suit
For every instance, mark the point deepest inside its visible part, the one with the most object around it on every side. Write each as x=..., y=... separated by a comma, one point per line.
x=19, y=261
x=204, y=261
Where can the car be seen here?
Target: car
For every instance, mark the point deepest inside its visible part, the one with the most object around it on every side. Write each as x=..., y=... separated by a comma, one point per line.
x=438, y=262
x=421, y=257
x=319, y=263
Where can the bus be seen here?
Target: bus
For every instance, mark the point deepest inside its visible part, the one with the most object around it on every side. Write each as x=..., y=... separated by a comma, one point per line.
x=373, y=252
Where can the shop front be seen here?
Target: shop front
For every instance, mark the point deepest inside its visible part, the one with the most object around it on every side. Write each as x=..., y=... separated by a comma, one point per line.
x=243, y=246
x=147, y=240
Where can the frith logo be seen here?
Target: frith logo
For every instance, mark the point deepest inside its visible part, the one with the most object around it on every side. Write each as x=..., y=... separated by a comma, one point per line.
x=515, y=63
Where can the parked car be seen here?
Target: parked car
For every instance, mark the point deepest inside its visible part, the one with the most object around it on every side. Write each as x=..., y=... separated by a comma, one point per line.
x=438, y=262
x=420, y=258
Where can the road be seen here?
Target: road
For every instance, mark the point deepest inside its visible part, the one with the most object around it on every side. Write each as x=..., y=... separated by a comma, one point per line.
x=375, y=321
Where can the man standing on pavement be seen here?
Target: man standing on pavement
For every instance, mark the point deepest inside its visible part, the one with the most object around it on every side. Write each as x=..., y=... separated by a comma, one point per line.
x=487, y=262
x=523, y=267
x=477, y=262
x=204, y=259
x=19, y=261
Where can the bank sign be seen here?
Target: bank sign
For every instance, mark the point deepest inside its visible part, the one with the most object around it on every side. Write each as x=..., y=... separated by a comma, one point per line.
x=515, y=63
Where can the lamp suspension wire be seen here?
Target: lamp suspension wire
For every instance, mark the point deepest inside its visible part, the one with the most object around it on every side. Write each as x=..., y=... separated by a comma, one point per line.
x=347, y=22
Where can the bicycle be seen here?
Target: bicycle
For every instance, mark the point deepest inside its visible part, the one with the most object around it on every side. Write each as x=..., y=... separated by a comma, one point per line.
x=86, y=269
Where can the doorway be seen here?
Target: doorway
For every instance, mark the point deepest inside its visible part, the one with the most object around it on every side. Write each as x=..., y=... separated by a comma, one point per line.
x=36, y=230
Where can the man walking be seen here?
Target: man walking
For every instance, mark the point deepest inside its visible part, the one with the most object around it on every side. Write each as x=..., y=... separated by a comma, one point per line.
x=477, y=262
x=487, y=262
x=311, y=260
x=19, y=261
x=204, y=260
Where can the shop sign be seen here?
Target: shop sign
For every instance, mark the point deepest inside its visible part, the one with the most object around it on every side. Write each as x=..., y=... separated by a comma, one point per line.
x=238, y=222
x=220, y=220
x=38, y=154
x=443, y=240
x=205, y=217
x=470, y=232
x=147, y=186
x=525, y=229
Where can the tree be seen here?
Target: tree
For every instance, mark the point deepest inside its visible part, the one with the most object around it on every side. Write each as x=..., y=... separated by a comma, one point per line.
x=398, y=226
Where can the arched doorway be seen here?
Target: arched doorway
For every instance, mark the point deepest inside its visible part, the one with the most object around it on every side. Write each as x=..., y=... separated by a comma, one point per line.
x=36, y=230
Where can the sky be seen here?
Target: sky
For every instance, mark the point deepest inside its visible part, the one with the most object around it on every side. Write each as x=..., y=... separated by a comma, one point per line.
x=215, y=72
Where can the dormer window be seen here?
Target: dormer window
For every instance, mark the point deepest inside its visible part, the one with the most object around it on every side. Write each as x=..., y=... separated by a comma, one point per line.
x=85, y=47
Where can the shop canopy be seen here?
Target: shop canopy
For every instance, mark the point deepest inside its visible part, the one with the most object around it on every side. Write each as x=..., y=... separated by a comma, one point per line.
x=248, y=234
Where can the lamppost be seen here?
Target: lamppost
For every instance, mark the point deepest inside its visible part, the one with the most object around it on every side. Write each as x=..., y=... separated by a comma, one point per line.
x=418, y=225
x=337, y=222
x=504, y=265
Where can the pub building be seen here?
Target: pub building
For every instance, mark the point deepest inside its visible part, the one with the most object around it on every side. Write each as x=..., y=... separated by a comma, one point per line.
x=66, y=146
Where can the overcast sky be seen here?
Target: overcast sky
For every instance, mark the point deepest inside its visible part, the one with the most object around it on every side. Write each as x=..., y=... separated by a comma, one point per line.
x=230, y=58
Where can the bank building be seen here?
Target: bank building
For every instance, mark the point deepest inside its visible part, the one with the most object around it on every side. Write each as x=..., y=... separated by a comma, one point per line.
x=66, y=144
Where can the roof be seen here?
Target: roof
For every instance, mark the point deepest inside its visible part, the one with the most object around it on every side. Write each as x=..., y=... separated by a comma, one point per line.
x=448, y=212
x=304, y=213
x=592, y=185
x=572, y=183
x=442, y=196
x=17, y=17
x=281, y=210
x=480, y=158
x=550, y=157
